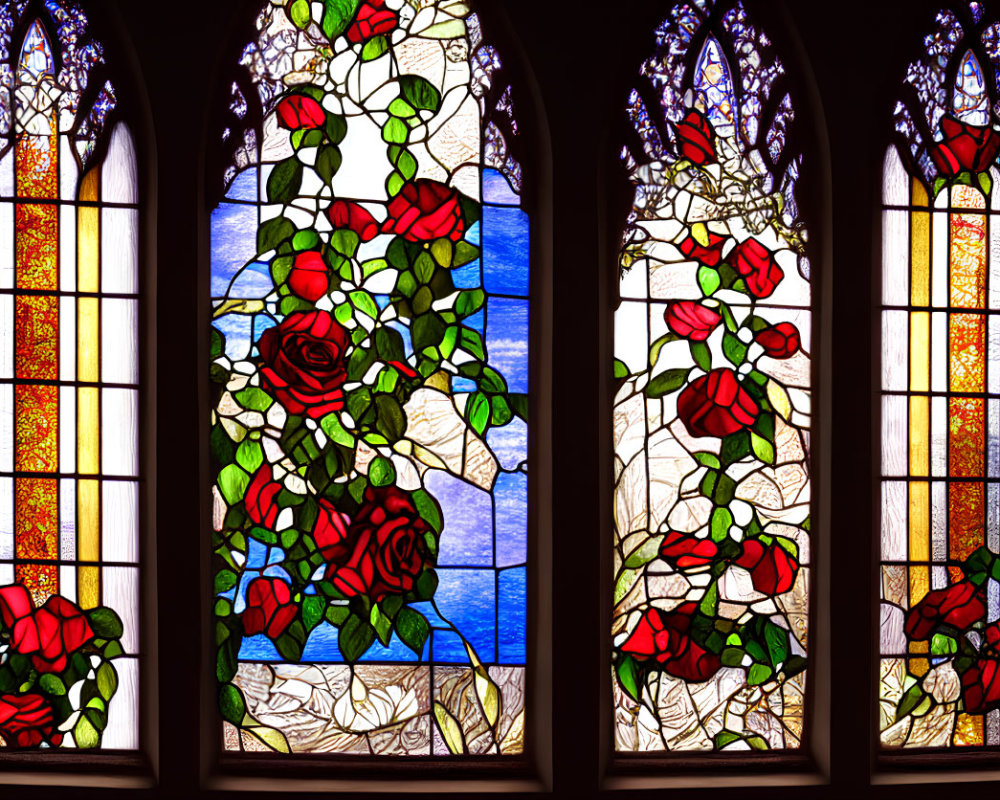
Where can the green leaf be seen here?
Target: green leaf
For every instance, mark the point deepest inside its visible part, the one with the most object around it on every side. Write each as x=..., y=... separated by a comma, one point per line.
x=519, y=405
x=472, y=343
x=364, y=302
x=382, y=625
x=381, y=472
x=734, y=350
x=758, y=674
x=762, y=448
x=269, y=737
x=313, y=608
x=451, y=731
x=477, y=412
x=355, y=637
x=709, y=605
x=443, y=252
x=629, y=676
x=337, y=615
x=419, y=92
x=273, y=232
x=709, y=460
x=722, y=738
x=300, y=14
x=702, y=355
x=233, y=482
x=285, y=181
x=708, y=280
x=985, y=183
x=657, y=346
x=328, y=161
x=429, y=510
x=644, y=553
x=337, y=15
x=729, y=319
x=254, y=399
x=413, y=629
x=231, y=704
x=734, y=447
x=390, y=420
x=333, y=428
x=469, y=302
x=374, y=48
x=85, y=734
x=105, y=623
x=107, y=681
x=667, y=382
x=621, y=370
x=465, y=253
x=721, y=522
x=395, y=131
x=910, y=701
x=52, y=684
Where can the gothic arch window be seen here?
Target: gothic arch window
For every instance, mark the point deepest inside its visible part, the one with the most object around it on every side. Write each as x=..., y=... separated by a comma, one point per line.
x=370, y=360
x=69, y=389
x=940, y=387
x=712, y=415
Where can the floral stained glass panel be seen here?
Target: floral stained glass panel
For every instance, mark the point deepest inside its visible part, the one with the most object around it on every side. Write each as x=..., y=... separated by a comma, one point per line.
x=940, y=596
x=69, y=466
x=712, y=412
x=370, y=285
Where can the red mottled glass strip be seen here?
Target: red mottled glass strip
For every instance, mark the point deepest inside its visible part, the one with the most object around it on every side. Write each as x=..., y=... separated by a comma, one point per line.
x=966, y=504
x=967, y=430
x=37, y=331
x=37, y=432
x=968, y=352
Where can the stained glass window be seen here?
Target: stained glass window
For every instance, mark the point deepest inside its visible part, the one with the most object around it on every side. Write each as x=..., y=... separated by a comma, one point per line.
x=69, y=367
x=712, y=412
x=940, y=534
x=370, y=295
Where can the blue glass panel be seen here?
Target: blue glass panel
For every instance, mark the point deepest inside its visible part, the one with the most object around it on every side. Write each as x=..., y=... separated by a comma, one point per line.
x=251, y=283
x=462, y=385
x=244, y=186
x=467, y=276
x=506, y=248
x=513, y=605
x=322, y=646
x=467, y=598
x=511, y=496
x=509, y=443
x=496, y=189
x=467, y=539
x=236, y=329
x=507, y=340
x=234, y=239
x=258, y=648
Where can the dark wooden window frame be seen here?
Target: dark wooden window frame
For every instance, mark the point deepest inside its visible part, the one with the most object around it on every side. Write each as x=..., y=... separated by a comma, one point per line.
x=574, y=65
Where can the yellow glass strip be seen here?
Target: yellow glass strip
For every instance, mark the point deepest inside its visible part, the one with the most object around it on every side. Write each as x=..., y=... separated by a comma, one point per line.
x=920, y=584
x=88, y=498
x=89, y=235
x=88, y=333
x=920, y=342
x=88, y=431
x=920, y=248
x=919, y=436
x=968, y=730
x=920, y=512
x=88, y=587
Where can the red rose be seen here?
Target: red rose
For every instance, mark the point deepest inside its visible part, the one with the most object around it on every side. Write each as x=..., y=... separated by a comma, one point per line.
x=269, y=607
x=304, y=361
x=372, y=19
x=682, y=551
x=425, y=210
x=330, y=530
x=992, y=634
x=716, y=405
x=691, y=320
x=51, y=633
x=664, y=637
x=260, y=496
x=711, y=255
x=346, y=214
x=308, y=278
x=757, y=266
x=960, y=605
x=696, y=138
x=981, y=687
x=300, y=111
x=965, y=148
x=772, y=568
x=781, y=341
x=27, y=721
x=15, y=603
x=385, y=551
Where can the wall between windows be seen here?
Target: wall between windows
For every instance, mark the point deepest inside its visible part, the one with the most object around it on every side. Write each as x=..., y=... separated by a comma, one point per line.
x=583, y=58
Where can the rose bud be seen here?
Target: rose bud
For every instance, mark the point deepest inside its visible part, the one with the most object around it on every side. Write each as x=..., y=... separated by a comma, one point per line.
x=269, y=607
x=330, y=530
x=300, y=111
x=691, y=320
x=780, y=341
x=716, y=405
x=772, y=568
x=683, y=551
x=26, y=721
x=965, y=147
x=372, y=19
x=308, y=278
x=709, y=255
x=260, y=496
x=757, y=265
x=663, y=637
x=15, y=603
x=696, y=138
x=981, y=686
x=345, y=214
x=425, y=210
x=959, y=605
